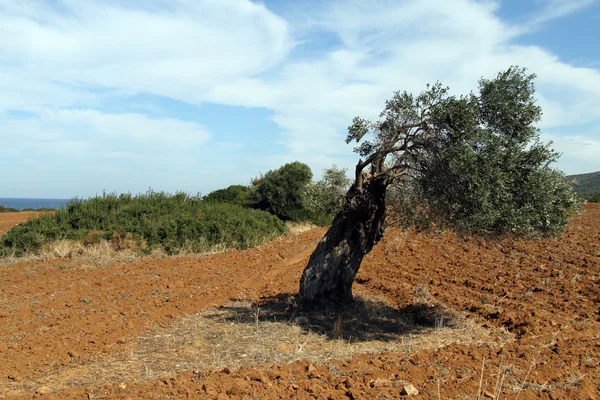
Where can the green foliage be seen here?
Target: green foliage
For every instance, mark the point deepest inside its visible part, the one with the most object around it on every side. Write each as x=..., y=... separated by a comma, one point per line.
x=595, y=198
x=280, y=191
x=490, y=172
x=234, y=194
x=325, y=198
x=172, y=222
x=473, y=162
x=4, y=209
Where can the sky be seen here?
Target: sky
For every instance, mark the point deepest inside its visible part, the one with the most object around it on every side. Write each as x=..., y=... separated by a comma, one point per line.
x=196, y=95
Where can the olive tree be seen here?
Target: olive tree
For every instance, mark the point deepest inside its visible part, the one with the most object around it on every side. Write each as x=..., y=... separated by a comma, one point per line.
x=476, y=161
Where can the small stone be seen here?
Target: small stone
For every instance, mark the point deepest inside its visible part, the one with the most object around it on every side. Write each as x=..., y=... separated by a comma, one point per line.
x=409, y=390
x=488, y=395
x=311, y=368
x=380, y=382
x=226, y=370
x=43, y=390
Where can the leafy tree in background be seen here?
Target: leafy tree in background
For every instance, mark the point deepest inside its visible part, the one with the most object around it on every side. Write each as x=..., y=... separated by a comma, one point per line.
x=234, y=194
x=326, y=197
x=280, y=191
x=473, y=162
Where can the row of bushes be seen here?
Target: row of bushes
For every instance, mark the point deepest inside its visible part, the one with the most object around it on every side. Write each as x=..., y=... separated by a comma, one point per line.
x=4, y=209
x=290, y=194
x=236, y=217
x=155, y=219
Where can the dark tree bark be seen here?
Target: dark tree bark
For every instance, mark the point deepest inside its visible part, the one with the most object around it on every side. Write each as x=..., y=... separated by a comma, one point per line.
x=332, y=267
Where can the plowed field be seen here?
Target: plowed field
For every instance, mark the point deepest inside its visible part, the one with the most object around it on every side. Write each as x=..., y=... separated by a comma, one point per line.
x=8, y=220
x=521, y=320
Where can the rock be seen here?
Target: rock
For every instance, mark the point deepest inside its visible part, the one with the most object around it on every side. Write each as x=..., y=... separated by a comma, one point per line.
x=380, y=382
x=311, y=368
x=409, y=390
x=488, y=395
x=43, y=390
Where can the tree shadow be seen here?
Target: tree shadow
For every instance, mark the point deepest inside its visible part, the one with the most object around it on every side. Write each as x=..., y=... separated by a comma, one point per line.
x=362, y=320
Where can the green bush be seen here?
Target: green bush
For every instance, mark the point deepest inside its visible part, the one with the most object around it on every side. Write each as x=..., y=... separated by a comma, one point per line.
x=595, y=198
x=323, y=199
x=158, y=220
x=4, y=209
x=487, y=170
x=234, y=194
x=280, y=192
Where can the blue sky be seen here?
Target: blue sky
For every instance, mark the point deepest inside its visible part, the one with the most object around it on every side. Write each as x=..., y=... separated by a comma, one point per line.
x=195, y=95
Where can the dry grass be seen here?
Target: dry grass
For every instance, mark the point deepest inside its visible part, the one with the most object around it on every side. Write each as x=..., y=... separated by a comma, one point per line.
x=104, y=253
x=273, y=332
x=296, y=228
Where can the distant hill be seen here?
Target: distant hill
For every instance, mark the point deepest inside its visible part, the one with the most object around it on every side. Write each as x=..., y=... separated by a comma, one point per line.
x=587, y=185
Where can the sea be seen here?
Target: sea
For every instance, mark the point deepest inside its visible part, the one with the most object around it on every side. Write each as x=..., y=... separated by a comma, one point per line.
x=21, y=204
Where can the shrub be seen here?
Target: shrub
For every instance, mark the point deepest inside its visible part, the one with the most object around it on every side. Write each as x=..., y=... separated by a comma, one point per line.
x=234, y=194
x=154, y=220
x=595, y=198
x=280, y=191
x=324, y=199
x=7, y=209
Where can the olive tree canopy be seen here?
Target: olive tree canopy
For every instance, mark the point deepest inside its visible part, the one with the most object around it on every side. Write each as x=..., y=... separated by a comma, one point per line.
x=474, y=162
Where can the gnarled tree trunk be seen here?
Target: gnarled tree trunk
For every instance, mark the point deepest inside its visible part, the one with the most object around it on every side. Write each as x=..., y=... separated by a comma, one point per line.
x=355, y=230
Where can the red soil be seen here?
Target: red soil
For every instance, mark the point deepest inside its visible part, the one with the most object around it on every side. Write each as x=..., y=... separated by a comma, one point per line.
x=10, y=219
x=546, y=293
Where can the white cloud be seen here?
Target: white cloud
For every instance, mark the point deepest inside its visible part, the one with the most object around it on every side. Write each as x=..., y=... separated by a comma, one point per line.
x=61, y=60
x=581, y=151
x=388, y=46
x=91, y=133
x=170, y=48
x=559, y=8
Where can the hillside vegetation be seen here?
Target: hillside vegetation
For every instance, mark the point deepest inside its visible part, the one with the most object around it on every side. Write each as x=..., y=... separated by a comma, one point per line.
x=153, y=220
x=586, y=185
